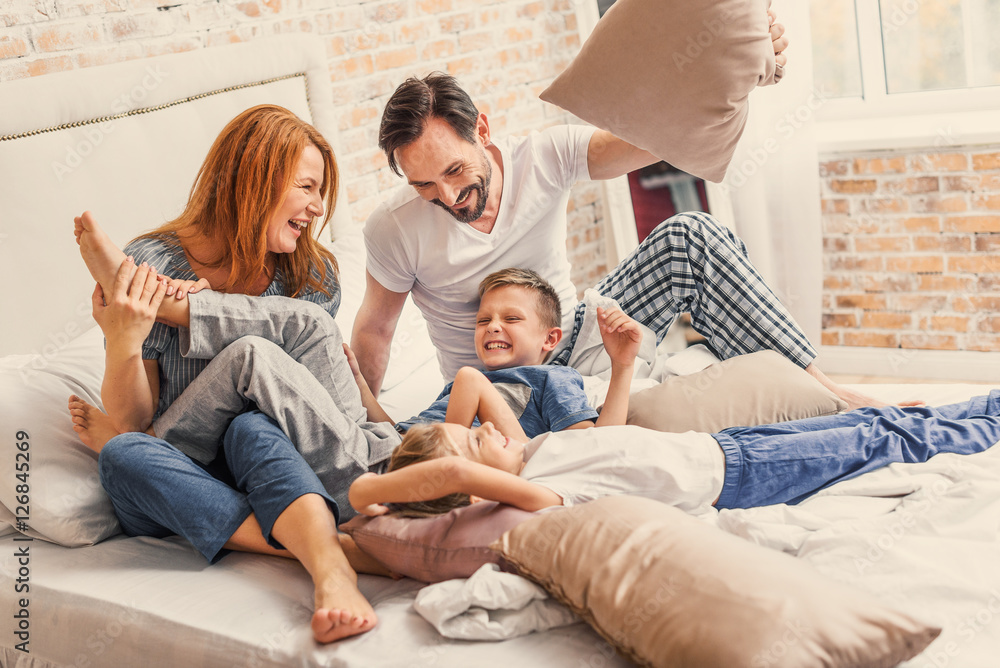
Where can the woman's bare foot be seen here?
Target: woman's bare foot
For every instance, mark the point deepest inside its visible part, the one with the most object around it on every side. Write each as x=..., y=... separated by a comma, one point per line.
x=341, y=609
x=92, y=426
x=99, y=253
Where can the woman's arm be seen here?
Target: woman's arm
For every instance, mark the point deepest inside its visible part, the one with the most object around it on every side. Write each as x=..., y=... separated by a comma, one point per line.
x=473, y=395
x=433, y=479
x=130, y=390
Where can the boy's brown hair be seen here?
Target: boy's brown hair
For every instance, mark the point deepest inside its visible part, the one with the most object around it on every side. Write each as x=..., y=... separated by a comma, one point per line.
x=421, y=443
x=548, y=307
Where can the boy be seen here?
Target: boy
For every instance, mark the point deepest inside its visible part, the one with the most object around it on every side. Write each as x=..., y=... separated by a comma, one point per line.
x=442, y=466
x=517, y=327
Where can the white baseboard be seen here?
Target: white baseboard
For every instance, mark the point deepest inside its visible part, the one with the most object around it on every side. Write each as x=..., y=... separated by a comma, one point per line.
x=908, y=363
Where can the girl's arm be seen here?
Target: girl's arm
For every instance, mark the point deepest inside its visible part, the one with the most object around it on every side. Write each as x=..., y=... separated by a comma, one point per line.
x=473, y=395
x=433, y=479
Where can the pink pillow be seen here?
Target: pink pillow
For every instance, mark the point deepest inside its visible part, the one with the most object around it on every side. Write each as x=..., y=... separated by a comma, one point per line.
x=432, y=549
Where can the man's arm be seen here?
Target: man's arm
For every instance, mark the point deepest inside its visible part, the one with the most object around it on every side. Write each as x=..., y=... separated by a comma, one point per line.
x=373, y=329
x=436, y=478
x=609, y=157
x=374, y=409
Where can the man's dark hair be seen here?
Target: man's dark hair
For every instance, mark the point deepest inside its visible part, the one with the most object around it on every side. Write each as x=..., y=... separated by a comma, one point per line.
x=414, y=102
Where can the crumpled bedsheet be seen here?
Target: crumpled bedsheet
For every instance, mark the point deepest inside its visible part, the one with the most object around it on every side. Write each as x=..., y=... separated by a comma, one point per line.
x=490, y=605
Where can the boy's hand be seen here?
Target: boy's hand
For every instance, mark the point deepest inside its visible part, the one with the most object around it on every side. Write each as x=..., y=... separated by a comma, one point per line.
x=621, y=336
x=352, y=362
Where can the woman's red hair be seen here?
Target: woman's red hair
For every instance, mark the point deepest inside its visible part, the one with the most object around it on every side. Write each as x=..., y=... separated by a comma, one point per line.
x=242, y=182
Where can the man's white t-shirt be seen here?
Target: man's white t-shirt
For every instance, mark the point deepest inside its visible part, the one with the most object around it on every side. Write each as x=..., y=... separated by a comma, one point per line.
x=418, y=247
x=684, y=470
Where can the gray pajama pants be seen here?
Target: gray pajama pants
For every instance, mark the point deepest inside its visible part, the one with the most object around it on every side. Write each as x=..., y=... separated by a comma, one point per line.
x=286, y=356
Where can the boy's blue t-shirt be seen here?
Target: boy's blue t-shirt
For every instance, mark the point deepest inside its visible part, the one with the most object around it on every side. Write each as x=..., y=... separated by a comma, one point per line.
x=544, y=398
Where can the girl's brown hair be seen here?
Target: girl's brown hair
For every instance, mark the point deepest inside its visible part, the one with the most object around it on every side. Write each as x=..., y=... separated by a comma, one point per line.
x=422, y=443
x=242, y=181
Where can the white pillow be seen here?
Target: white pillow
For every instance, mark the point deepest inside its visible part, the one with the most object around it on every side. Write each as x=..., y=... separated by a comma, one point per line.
x=411, y=346
x=59, y=491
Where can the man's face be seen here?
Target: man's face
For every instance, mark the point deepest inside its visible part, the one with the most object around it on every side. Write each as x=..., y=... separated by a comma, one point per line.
x=448, y=171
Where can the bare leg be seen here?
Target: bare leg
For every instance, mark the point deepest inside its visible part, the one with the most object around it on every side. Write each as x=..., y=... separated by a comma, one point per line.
x=249, y=538
x=103, y=259
x=853, y=399
x=307, y=528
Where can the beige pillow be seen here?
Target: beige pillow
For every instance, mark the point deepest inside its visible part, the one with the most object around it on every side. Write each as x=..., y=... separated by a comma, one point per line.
x=667, y=589
x=672, y=77
x=759, y=388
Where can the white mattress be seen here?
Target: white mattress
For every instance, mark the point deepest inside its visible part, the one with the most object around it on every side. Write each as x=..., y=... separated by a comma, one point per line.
x=925, y=537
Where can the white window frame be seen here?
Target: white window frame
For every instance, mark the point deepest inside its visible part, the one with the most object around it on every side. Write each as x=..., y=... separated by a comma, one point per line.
x=878, y=120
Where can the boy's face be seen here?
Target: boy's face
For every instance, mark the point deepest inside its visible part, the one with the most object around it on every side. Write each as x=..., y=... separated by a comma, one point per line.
x=485, y=445
x=509, y=331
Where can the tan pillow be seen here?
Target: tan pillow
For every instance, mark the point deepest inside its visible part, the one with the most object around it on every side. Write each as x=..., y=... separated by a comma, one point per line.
x=672, y=77
x=667, y=589
x=759, y=388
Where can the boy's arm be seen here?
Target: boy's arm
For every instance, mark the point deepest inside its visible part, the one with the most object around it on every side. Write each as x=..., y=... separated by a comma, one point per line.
x=375, y=411
x=448, y=475
x=473, y=395
x=621, y=336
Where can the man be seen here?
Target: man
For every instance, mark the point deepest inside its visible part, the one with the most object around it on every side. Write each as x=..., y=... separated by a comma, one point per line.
x=509, y=200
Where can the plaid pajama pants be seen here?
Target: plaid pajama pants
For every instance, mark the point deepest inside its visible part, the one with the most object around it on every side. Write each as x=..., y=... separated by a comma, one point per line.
x=692, y=264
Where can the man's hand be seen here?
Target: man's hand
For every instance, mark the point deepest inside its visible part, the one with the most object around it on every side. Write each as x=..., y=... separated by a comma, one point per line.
x=621, y=336
x=778, y=39
x=127, y=316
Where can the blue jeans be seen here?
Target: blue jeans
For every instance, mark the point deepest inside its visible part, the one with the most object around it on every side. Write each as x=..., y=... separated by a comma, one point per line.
x=159, y=491
x=789, y=461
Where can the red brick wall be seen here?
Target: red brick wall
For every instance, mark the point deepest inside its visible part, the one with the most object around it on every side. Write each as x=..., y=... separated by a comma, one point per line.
x=911, y=249
x=503, y=51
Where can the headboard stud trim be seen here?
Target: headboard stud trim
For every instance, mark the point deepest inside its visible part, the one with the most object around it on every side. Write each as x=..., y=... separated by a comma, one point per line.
x=165, y=105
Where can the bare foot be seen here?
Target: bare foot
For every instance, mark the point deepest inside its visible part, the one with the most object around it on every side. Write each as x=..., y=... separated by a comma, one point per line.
x=852, y=398
x=341, y=609
x=99, y=253
x=93, y=427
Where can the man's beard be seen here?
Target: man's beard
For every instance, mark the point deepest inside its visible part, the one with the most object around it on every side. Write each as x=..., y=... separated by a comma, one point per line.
x=482, y=190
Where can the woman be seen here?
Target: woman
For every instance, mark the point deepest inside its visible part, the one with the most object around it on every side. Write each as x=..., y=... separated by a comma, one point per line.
x=245, y=232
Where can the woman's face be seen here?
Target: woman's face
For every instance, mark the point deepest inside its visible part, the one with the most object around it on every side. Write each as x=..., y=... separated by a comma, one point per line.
x=303, y=201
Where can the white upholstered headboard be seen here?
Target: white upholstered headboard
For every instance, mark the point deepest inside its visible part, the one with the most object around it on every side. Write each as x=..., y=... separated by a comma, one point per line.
x=124, y=141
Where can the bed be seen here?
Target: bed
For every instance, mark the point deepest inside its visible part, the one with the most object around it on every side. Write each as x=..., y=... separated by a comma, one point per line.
x=124, y=141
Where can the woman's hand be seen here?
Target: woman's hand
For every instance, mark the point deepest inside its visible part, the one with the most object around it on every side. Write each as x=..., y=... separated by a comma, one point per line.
x=180, y=288
x=127, y=315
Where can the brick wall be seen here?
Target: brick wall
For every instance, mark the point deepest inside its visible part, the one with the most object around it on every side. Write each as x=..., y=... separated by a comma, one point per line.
x=911, y=249
x=503, y=51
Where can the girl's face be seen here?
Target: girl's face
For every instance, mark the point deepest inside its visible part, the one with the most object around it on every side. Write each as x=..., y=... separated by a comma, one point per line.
x=302, y=202
x=486, y=445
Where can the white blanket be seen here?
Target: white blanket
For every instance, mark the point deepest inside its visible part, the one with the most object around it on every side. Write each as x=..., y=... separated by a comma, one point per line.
x=490, y=605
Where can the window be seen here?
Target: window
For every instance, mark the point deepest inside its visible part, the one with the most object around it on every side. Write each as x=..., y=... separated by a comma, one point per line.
x=934, y=63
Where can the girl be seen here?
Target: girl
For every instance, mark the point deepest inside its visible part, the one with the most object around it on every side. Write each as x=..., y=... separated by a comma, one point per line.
x=443, y=466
